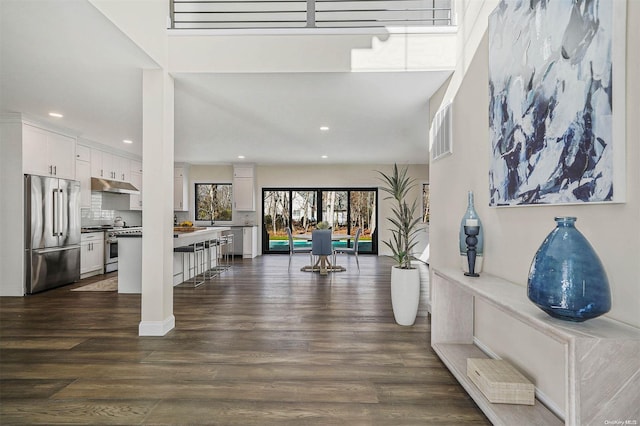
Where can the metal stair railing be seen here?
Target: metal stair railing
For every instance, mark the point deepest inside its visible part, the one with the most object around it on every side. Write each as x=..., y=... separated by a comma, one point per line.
x=261, y=14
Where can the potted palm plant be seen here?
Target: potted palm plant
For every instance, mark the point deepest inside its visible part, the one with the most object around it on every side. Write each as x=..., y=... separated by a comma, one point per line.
x=405, y=278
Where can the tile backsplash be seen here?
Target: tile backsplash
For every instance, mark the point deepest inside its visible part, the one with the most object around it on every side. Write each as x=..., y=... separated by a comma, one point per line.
x=106, y=207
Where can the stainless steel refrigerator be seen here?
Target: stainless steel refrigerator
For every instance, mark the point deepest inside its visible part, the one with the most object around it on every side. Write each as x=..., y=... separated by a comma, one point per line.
x=52, y=232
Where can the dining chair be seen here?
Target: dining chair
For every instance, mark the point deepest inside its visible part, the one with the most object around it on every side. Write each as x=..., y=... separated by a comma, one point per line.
x=293, y=250
x=321, y=247
x=349, y=250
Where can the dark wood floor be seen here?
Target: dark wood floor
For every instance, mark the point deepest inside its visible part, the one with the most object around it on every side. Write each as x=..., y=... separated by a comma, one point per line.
x=256, y=346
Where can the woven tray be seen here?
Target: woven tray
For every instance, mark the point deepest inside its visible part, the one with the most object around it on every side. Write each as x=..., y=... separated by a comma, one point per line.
x=500, y=382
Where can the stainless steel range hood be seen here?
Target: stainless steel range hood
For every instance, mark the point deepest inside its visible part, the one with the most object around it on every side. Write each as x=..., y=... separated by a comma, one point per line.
x=113, y=186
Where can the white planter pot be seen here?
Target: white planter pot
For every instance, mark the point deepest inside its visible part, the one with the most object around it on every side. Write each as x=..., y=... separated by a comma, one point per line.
x=405, y=294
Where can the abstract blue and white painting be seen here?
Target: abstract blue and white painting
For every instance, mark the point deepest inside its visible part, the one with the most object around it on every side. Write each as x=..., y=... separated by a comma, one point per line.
x=551, y=102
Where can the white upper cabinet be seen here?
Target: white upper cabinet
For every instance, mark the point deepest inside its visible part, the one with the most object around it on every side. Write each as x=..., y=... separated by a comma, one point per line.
x=34, y=157
x=136, y=166
x=109, y=166
x=83, y=175
x=83, y=153
x=47, y=153
x=181, y=189
x=244, y=188
x=122, y=168
x=135, y=200
x=97, y=168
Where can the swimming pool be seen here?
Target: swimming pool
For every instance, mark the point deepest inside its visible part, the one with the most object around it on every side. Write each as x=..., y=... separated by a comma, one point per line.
x=283, y=245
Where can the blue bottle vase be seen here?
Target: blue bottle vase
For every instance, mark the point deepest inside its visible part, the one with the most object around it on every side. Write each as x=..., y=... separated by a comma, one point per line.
x=566, y=278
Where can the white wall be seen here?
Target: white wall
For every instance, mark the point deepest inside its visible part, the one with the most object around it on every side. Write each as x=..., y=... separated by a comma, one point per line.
x=143, y=21
x=262, y=53
x=337, y=176
x=317, y=176
x=435, y=50
x=472, y=19
x=512, y=235
x=610, y=227
x=313, y=51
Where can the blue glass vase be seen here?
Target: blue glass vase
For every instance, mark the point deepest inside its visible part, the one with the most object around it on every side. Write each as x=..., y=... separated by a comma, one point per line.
x=566, y=278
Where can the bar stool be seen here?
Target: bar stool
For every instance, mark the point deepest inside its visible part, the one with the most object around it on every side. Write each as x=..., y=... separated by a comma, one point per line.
x=196, y=249
x=222, y=253
x=218, y=243
x=228, y=249
x=211, y=271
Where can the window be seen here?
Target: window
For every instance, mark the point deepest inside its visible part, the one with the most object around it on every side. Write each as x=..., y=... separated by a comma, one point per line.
x=214, y=201
x=346, y=210
x=425, y=203
x=441, y=132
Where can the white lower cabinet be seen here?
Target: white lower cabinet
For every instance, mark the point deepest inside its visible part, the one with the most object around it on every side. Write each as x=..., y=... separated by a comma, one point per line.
x=91, y=254
x=249, y=242
x=245, y=241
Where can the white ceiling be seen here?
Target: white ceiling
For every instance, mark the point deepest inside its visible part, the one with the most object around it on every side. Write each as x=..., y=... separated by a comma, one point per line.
x=67, y=57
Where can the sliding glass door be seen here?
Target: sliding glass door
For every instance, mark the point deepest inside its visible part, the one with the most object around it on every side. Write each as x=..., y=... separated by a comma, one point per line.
x=276, y=217
x=345, y=209
x=334, y=210
x=304, y=211
x=363, y=215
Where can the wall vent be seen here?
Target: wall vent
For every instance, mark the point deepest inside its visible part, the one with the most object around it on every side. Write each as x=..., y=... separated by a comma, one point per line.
x=441, y=133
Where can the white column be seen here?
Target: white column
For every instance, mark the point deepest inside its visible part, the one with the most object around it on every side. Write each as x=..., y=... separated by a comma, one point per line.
x=12, y=215
x=157, y=212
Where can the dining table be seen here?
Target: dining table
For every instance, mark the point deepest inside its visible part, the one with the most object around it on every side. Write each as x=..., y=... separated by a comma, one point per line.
x=323, y=264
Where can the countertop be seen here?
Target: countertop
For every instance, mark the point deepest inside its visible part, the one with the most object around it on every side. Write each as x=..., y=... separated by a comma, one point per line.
x=185, y=238
x=200, y=232
x=183, y=234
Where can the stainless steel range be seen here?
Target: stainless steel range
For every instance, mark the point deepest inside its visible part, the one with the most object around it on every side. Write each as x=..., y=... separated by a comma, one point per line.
x=110, y=252
x=111, y=242
x=111, y=246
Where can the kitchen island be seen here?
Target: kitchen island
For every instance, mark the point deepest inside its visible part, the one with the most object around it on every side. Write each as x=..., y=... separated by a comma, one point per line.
x=130, y=256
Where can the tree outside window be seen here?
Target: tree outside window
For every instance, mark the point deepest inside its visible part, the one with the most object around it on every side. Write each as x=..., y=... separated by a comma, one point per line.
x=214, y=201
x=425, y=202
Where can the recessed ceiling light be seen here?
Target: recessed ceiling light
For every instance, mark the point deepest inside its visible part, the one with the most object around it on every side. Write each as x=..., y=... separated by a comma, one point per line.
x=127, y=141
x=241, y=156
x=324, y=156
x=324, y=128
x=56, y=114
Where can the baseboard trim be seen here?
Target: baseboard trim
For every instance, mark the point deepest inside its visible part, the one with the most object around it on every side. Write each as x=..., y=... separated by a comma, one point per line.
x=156, y=328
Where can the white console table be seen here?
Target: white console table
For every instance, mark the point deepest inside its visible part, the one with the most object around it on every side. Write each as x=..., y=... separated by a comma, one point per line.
x=601, y=356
